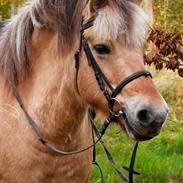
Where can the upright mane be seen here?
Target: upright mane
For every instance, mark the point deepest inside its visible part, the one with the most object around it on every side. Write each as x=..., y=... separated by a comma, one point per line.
x=63, y=17
x=127, y=22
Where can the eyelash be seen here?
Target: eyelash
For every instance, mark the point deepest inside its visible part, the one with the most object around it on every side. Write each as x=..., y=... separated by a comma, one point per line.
x=102, y=49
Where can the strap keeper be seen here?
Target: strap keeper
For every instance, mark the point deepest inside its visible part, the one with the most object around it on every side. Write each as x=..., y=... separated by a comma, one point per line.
x=131, y=171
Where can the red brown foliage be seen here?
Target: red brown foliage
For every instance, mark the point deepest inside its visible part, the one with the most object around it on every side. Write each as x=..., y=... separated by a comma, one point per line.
x=167, y=52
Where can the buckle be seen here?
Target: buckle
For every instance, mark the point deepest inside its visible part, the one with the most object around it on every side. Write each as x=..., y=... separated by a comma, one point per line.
x=117, y=107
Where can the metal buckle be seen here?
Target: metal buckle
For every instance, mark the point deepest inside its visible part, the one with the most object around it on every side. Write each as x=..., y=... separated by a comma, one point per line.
x=120, y=112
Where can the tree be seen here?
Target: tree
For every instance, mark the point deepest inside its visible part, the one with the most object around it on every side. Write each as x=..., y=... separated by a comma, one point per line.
x=9, y=7
x=169, y=15
x=166, y=37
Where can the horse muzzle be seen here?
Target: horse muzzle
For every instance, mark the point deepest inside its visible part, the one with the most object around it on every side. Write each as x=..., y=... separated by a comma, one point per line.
x=144, y=123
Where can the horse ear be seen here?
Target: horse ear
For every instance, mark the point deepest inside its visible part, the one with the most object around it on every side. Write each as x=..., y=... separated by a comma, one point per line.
x=95, y=5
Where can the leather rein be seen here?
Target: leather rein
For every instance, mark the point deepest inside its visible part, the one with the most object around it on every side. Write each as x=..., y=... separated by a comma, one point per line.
x=104, y=85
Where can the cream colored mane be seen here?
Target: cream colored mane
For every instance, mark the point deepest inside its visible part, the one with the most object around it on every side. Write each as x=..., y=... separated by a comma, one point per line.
x=63, y=17
x=128, y=23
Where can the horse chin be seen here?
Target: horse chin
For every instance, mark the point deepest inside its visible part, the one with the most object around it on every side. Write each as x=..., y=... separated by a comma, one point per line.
x=132, y=133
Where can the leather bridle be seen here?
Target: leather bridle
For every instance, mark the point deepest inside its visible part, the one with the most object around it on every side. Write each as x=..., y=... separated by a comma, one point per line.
x=102, y=80
x=104, y=85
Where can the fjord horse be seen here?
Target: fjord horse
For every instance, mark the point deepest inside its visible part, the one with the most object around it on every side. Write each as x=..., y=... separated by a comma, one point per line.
x=37, y=49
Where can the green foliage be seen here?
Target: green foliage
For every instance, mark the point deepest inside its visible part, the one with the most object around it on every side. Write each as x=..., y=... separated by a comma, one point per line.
x=5, y=10
x=169, y=15
x=159, y=160
x=5, y=7
x=171, y=87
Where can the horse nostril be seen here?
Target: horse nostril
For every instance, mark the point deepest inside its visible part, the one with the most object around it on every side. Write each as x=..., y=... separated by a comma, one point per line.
x=151, y=118
x=142, y=115
x=145, y=117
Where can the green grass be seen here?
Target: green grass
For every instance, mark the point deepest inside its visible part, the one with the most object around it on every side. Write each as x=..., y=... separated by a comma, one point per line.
x=159, y=160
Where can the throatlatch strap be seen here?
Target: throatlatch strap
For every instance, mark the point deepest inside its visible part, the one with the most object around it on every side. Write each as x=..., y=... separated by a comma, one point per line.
x=39, y=135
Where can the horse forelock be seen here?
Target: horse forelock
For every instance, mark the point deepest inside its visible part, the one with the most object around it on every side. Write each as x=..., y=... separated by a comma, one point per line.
x=122, y=19
x=63, y=17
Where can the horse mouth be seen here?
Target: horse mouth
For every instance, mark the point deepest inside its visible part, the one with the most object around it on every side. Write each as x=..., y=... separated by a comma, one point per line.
x=132, y=132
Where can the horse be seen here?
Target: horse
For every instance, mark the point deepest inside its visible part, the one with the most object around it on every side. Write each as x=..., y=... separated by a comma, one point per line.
x=44, y=84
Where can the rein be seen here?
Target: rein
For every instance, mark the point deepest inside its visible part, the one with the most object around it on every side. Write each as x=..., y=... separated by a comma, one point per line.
x=99, y=135
x=104, y=85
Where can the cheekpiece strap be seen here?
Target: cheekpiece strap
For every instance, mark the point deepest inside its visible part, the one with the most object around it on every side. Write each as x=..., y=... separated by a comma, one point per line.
x=87, y=25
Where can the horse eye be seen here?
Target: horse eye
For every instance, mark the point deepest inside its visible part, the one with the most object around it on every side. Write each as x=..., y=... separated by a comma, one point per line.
x=102, y=49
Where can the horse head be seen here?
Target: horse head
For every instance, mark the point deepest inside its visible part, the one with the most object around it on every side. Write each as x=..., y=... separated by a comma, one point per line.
x=116, y=40
x=47, y=90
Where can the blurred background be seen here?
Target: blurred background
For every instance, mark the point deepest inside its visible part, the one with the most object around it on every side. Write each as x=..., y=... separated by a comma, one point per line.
x=159, y=160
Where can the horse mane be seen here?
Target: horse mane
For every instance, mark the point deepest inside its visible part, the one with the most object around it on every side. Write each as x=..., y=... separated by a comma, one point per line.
x=128, y=22
x=63, y=17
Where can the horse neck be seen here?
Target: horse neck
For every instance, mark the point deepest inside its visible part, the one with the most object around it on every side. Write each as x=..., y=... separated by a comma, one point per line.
x=53, y=100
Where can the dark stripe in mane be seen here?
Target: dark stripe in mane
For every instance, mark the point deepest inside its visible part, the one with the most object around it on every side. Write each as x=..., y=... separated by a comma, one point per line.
x=2, y=24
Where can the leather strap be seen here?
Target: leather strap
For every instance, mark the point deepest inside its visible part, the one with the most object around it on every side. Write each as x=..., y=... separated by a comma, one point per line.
x=38, y=133
x=129, y=80
x=104, y=85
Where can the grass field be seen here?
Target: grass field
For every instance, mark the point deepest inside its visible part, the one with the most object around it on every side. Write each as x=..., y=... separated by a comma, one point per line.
x=159, y=160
